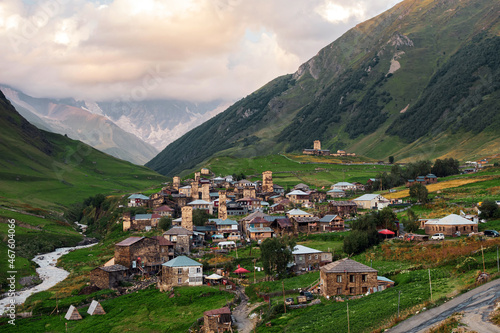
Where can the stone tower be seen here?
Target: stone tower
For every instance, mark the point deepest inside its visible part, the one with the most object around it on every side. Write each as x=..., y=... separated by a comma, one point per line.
x=177, y=182
x=197, y=176
x=317, y=145
x=194, y=190
x=249, y=192
x=222, y=205
x=205, y=192
x=187, y=218
x=267, y=182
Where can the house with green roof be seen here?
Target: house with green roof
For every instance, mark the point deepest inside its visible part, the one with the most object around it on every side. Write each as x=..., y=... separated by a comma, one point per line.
x=181, y=271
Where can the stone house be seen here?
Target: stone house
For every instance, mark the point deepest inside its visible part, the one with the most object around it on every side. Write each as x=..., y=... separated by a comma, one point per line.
x=335, y=222
x=316, y=196
x=336, y=193
x=181, y=237
x=281, y=225
x=185, y=190
x=144, y=222
x=164, y=211
x=302, y=187
x=218, y=320
x=201, y=204
x=251, y=204
x=137, y=200
x=298, y=197
x=342, y=208
x=308, y=259
x=347, y=277
x=450, y=225
x=278, y=189
x=259, y=229
x=166, y=248
x=138, y=253
x=108, y=277
x=369, y=201
x=181, y=271
x=297, y=213
x=229, y=229
x=308, y=224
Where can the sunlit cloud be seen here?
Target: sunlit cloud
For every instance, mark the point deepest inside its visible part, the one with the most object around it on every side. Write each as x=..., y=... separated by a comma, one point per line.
x=200, y=49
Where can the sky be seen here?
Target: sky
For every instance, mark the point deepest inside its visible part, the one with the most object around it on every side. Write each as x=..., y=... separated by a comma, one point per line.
x=194, y=50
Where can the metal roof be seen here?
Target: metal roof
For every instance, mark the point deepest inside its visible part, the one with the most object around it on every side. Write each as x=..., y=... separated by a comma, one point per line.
x=343, y=184
x=138, y=196
x=263, y=229
x=129, y=241
x=452, y=219
x=143, y=216
x=224, y=310
x=301, y=249
x=176, y=230
x=297, y=192
x=199, y=202
x=297, y=212
x=223, y=222
x=327, y=218
x=113, y=268
x=346, y=265
x=368, y=197
x=181, y=261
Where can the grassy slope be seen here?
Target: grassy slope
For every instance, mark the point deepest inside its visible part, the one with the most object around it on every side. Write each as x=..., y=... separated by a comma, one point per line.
x=288, y=171
x=144, y=311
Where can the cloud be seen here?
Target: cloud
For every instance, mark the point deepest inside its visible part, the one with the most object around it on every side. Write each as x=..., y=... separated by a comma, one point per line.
x=195, y=50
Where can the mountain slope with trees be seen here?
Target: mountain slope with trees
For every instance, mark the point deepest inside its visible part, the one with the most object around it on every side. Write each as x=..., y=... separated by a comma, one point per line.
x=419, y=79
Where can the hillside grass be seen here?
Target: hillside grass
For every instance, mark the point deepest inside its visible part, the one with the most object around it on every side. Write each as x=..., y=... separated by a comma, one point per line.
x=289, y=171
x=144, y=311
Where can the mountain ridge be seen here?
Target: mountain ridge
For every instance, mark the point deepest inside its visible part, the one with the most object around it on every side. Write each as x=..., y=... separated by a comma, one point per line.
x=356, y=89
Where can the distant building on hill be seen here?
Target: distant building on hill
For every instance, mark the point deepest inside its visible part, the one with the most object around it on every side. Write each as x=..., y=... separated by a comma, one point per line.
x=316, y=150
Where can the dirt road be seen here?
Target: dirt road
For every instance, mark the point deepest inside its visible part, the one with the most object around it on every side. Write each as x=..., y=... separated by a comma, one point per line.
x=476, y=304
x=241, y=312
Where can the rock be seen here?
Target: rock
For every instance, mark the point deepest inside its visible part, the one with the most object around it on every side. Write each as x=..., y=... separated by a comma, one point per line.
x=88, y=241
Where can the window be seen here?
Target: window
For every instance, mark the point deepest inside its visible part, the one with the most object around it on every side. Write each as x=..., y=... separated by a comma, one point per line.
x=301, y=258
x=351, y=278
x=363, y=277
x=352, y=290
x=198, y=270
x=315, y=256
x=179, y=281
x=179, y=270
x=339, y=278
x=309, y=257
x=339, y=291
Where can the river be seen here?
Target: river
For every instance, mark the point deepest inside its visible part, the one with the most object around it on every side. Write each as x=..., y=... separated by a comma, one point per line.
x=48, y=273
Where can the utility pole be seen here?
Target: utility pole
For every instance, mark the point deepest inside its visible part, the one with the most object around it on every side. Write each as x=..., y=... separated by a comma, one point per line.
x=399, y=297
x=348, y=326
x=482, y=253
x=283, y=286
x=430, y=284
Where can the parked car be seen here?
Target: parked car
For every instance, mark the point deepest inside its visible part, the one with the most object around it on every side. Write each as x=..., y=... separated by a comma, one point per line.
x=491, y=233
x=309, y=296
x=437, y=236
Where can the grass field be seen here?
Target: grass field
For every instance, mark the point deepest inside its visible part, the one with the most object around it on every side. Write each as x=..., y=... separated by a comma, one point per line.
x=144, y=311
x=289, y=171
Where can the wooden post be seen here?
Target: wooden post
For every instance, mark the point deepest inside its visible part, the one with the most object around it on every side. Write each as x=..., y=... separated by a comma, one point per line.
x=482, y=253
x=283, y=285
x=254, y=262
x=348, y=326
x=399, y=297
x=430, y=284
x=498, y=263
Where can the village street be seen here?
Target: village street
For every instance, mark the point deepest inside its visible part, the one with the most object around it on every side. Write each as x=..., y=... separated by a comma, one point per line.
x=241, y=312
x=476, y=304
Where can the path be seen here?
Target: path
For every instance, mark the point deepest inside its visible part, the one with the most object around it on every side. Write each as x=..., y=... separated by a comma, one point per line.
x=241, y=312
x=476, y=304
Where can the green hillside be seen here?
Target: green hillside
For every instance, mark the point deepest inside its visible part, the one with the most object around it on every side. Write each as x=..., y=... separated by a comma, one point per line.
x=46, y=170
x=420, y=80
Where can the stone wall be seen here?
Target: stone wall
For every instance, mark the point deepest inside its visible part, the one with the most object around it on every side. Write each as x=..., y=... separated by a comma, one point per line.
x=187, y=218
x=267, y=181
x=222, y=213
x=194, y=191
x=177, y=182
x=205, y=192
x=347, y=283
x=450, y=230
x=147, y=249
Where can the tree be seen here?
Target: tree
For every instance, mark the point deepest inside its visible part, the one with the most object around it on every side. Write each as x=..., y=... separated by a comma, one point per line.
x=391, y=159
x=363, y=235
x=276, y=253
x=200, y=216
x=419, y=192
x=165, y=223
x=489, y=209
x=411, y=221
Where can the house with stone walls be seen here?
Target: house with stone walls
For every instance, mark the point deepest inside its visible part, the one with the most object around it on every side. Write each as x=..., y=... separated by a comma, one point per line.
x=342, y=208
x=333, y=222
x=180, y=271
x=228, y=229
x=450, y=225
x=181, y=237
x=108, y=277
x=138, y=253
x=306, y=259
x=347, y=277
x=298, y=197
x=259, y=229
x=166, y=248
x=164, y=211
x=137, y=200
x=218, y=320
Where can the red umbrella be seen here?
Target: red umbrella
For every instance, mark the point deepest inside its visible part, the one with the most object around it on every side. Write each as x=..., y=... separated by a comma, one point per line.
x=241, y=270
x=386, y=232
